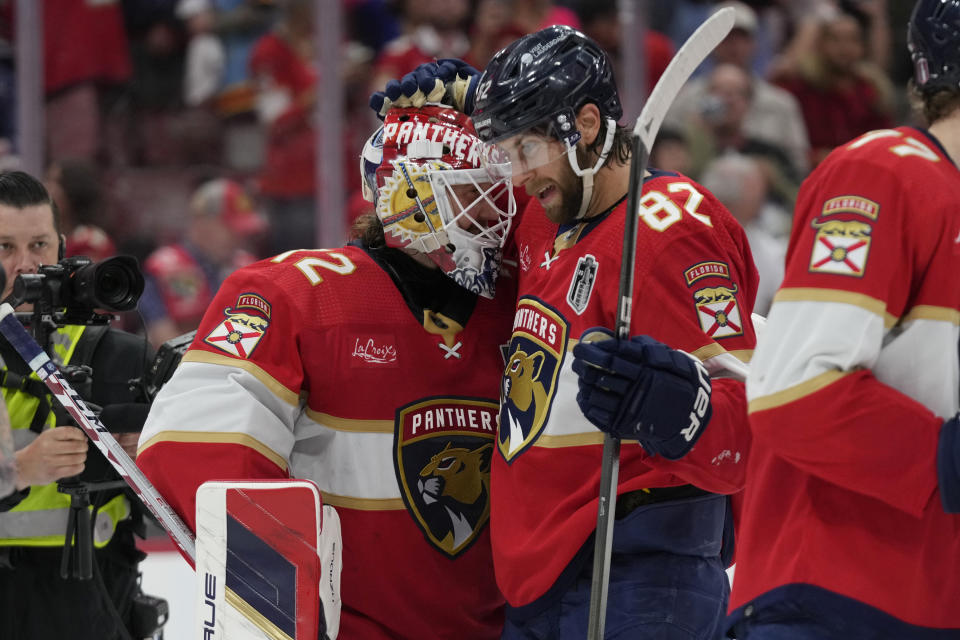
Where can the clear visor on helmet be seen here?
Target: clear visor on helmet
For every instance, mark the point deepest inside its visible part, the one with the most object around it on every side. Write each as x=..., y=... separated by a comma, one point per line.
x=533, y=148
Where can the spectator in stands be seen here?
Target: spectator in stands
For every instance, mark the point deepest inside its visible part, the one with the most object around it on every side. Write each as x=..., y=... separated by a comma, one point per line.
x=431, y=29
x=183, y=277
x=282, y=66
x=842, y=93
x=86, y=64
x=671, y=151
x=205, y=58
x=75, y=185
x=773, y=116
x=720, y=127
x=223, y=127
x=533, y=15
x=157, y=48
x=199, y=126
x=739, y=182
x=601, y=22
x=497, y=23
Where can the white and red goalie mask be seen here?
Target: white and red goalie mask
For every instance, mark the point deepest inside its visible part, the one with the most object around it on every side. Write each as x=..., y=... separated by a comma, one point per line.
x=435, y=194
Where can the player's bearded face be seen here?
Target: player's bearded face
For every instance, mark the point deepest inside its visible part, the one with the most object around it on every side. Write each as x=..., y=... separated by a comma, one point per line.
x=557, y=187
x=565, y=209
x=563, y=189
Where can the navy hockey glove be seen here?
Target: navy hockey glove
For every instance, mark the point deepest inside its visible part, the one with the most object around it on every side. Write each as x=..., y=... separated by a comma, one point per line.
x=642, y=389
x=948, y=464
x=448, y=81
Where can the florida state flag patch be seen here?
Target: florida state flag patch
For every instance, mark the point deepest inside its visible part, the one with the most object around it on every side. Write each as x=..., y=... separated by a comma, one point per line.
x=242, y=327
x=842, y=243
x=715, y=298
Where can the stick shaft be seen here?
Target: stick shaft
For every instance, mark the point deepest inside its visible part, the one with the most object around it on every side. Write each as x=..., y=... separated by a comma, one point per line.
x=688, y=58
x=41, y=364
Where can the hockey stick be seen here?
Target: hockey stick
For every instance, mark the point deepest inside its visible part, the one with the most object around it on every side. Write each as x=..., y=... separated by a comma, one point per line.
x=694, y=51
x=41, y=364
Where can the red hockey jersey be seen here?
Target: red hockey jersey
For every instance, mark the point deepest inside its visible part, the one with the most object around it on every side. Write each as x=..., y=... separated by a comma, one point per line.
x=850, y=385
x=694, y=290
x=313, y=365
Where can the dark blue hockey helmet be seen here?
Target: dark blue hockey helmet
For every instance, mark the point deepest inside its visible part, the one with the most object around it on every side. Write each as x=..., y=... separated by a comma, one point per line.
x=933, y=37
x=544, y=78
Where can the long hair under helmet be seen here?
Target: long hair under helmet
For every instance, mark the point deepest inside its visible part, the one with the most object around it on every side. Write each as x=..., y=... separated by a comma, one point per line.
x=539, y=83
x=434, y=194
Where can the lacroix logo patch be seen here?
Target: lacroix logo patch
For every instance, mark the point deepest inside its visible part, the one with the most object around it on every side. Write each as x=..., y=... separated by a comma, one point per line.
x=377, y=349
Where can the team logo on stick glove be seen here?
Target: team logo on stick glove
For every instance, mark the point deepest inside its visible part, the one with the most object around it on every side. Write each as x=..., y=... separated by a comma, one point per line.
x=642, y=389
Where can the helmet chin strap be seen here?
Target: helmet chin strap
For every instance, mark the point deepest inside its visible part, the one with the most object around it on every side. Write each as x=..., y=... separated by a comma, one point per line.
x=587, y=174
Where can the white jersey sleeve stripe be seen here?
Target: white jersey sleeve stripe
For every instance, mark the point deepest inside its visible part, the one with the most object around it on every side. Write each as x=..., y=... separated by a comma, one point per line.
x=848, y=338
x=245, y=406
x=282, y=392
x=868, y=303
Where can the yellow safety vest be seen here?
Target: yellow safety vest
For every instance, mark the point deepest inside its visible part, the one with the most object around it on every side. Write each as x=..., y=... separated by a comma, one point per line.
x=40, y=520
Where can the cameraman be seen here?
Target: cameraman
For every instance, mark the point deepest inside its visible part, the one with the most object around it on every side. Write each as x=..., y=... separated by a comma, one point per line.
x=35, y=601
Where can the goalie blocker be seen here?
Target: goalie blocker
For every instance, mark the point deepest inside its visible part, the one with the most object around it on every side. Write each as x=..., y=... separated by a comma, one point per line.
x=268, y=562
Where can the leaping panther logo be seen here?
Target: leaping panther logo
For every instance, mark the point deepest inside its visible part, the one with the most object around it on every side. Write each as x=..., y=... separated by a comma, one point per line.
x=530, y=378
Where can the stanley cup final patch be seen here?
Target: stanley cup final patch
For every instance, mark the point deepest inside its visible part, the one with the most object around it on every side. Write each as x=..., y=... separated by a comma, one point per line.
x=242, y=327
x=715, y=297
x=581, y=285
x=842, y=242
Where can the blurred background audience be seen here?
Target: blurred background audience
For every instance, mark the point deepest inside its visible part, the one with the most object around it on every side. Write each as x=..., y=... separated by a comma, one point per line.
x=164, y=118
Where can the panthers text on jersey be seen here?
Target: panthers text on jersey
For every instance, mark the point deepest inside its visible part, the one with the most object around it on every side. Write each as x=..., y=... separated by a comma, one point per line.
x=314, y=365
x=851, y=383
x=694, y=290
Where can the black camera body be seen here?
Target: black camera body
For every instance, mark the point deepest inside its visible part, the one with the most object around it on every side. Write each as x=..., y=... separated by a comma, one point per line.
x=74, y=289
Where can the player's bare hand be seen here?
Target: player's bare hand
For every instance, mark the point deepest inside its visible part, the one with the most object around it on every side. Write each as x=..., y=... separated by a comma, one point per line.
x=54, y=454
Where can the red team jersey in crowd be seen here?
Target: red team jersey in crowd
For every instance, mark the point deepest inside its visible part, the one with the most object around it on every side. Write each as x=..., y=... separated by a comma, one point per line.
x=185, y=285
x=286, y=77
x=695, y=287
x=312, y=365
x=850, y=385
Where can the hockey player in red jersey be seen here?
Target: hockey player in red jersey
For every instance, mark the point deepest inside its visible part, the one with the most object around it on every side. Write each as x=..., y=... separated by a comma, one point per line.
x=373, y=370
x=550, y=102
x=849, y=525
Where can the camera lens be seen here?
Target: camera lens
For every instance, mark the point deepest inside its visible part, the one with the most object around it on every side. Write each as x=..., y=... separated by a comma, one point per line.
x=114, y=284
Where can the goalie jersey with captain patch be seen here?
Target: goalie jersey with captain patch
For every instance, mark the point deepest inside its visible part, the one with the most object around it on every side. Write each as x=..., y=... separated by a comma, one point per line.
x=695, y=285
x=315, y=365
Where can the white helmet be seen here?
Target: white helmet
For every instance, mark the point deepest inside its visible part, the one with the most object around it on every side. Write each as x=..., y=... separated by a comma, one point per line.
x=433, y=194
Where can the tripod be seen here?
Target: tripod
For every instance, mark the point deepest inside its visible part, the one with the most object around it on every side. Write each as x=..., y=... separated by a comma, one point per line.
x=77, y=559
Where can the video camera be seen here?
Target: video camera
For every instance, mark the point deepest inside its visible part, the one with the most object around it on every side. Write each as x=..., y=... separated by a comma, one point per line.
x=76, y=289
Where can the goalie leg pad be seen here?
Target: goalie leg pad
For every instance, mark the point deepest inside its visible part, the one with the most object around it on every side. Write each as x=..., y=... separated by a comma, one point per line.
x=268, y=561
